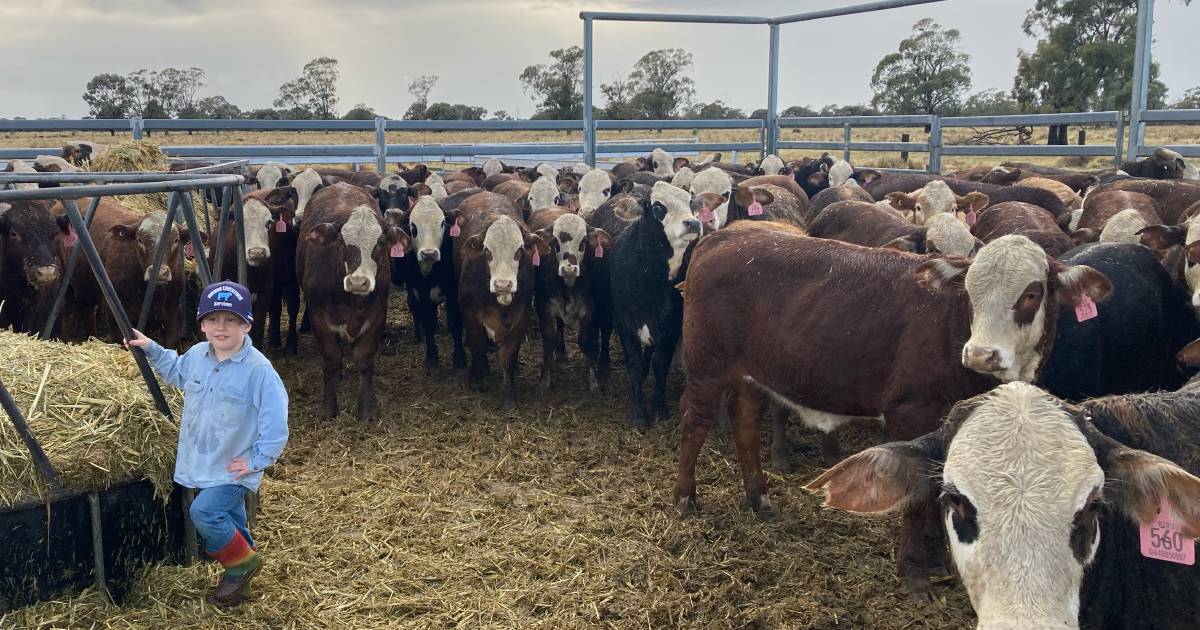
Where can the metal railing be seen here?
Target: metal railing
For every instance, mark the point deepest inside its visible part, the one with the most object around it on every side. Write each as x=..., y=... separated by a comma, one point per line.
x=381, y=153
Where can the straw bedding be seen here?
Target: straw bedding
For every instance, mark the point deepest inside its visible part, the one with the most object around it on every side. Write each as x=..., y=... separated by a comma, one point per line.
x=450, y=514
x=88, y=407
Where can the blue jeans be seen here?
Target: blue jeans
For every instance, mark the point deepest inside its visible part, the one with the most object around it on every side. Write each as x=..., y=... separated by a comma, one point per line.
x=217, y=512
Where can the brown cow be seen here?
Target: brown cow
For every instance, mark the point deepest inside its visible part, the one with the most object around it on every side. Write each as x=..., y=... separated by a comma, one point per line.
x=494, y=257
x=563, y=291
x=1033, y=222
x=343, y=265
x=1102, y=207
x=30, y=261
x=270, y=250
x=873, y=226
x=1080, y=182
x=908, y=340
x=830, y=196
x=1174, y=197
x=126, y=241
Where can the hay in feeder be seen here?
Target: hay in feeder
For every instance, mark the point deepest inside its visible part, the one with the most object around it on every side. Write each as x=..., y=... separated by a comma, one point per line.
x=89, y=408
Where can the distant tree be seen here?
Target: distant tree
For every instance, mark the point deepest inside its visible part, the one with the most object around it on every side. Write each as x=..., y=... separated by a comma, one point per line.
x=716, y=110
x=557, y=87
x=1189, y=100
x=176, y=89
x=500, y=114
x=265, y=113
x=360, y=112
x=420, y=88
x=457, y=111
x=217, y=107
x=797, y=111
x=990, y=103
x=314, y=92
x=108, y=95
x=759, y=114
x=618, y=96
x=1083, y=59
x=927, y=75
x=861, y=109
x=661, y=87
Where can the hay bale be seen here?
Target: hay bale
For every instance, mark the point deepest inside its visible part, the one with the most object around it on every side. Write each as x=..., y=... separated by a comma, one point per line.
x=90, y=410
x=132, y=155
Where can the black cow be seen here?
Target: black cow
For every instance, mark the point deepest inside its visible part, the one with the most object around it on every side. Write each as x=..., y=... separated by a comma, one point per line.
x=30, y=261
x=428, y=276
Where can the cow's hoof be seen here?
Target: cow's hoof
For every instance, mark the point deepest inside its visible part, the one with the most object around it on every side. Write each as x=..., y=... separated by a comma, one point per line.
x=919, y=588
x=764, y=509
x=685, y=507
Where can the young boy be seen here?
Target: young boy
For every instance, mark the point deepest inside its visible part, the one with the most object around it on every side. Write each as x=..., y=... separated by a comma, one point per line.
x=234, y=426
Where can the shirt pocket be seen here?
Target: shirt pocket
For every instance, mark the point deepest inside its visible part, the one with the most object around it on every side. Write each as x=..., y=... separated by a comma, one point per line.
x=232, y=405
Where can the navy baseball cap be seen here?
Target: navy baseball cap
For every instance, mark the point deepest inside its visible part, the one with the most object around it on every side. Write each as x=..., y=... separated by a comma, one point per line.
x=225, y=296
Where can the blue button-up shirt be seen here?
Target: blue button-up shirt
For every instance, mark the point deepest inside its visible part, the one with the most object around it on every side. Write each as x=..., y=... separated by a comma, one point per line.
x=232, y=408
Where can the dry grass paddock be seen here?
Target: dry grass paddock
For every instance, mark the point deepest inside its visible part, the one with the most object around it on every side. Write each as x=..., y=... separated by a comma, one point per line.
x=1099, y=134
x=450, y=514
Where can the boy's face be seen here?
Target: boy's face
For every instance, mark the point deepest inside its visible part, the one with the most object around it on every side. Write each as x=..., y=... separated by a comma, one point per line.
x=224, y=330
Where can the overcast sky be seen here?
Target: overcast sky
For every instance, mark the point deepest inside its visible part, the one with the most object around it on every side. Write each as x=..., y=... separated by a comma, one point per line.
x=50, y=48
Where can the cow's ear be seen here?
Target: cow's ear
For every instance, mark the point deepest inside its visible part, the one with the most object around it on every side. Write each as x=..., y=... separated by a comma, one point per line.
x=972, y=201
x=397, y=236
x=762, y=195
x=1190, y=355
x=534, y=242
x=597, y=237
x=379, y=194
x=681, y=162
x=124, y=232
x=1140, y=483
x=867, y=175
x=1083, y=236
x=322, y=234
x=283, y=195
x=474, y=244
x=1163, y=236
x=626, y=185
x=547, y=235
x=1073, y=282
x=568, y=185
x=64, y=223
x=419, y=189
x=884, y=478
x=742, y=197
x=902, y=201
x=906, y=244
x=943, y=273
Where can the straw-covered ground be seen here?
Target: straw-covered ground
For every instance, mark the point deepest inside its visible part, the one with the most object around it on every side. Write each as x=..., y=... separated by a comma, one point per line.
x=450, y=514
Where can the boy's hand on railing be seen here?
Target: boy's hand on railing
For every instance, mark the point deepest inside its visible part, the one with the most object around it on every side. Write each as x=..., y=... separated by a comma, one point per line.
x=139, y=340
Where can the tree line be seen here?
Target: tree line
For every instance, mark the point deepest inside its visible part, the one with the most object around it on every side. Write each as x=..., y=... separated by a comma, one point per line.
x=1082, y=62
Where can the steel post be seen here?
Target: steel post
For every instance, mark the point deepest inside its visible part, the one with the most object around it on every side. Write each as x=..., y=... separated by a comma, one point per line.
x=114, y=302
x=35, y=449
x=218, y=248
x=773, y=94
x=1119, y=145
x=846, y=130
x=189, y=215
x=239, y=233
x=380, y=144
x=160, y=250
x=65, y=283
x=589, y=125
x=137, y=127
x=935, y=145
x=93, y=499
x=1141, y=76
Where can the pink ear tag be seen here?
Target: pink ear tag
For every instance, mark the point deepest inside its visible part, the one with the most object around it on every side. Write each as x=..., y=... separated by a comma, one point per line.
x=281, y=225
x=71, y=239
x=397, y=250
x=188, y=251
x=972, y=216
x=1162, y=539
x=707, y=215
x=455, y=230
x=755, y=209
x=599, y=251
x=1085, y=309
x=537, y=258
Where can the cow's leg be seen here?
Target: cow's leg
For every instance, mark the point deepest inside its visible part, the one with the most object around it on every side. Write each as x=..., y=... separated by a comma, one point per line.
x=560, y=349
x=414, y=306
x=477, y=340
x=362, y=357
x=508, y=349
x=551, y=338
x=749, y=405
x=603, y=321
x=454, y=321
x=922, y=544
x=331, y=370
x=587, y=347
x=274, y=311
x=426, y=313
x=635, y=367
x=259, y=311
x=293, y=299
x=663, y=355
x=780, y=460
x=698, y=408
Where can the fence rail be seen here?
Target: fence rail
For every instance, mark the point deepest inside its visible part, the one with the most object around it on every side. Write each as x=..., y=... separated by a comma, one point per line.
x=380, y=152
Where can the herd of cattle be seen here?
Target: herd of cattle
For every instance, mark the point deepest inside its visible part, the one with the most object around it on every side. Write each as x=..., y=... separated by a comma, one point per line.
x=1022, y=332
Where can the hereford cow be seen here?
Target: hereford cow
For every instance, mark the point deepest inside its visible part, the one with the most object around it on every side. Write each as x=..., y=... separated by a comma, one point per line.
x=563, y=291
x=830, y=196
x=1173, y=197
x=1101, y=207
x=495, y=256
x=868, y=224
x=936, y=197
x=1033, y=494
x=126, y=241
x=307, y=183
x=271, y=175
x=595, y=187
x=342, y=263
x=1033, y=222
x=19, y=166
x=716, y=181
x=428, y=276
x=268, y=217
x=1079, y=182
x=909, y=182
x=30, y=261
x=773, y=204
x=772, y=165
x=1069, y=198
x=966, y=323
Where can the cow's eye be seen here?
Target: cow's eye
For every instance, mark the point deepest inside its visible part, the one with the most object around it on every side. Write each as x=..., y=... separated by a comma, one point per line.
x=413, y=229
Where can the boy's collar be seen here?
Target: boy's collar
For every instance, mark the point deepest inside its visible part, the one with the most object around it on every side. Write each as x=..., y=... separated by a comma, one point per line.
x=238, y=356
